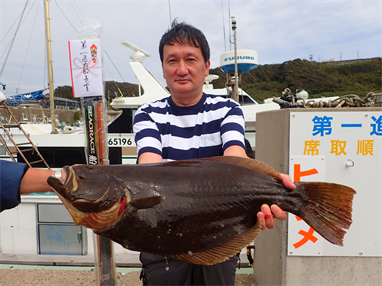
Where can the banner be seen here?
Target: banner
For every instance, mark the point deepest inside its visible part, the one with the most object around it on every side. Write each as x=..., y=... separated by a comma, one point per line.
x=86, y=67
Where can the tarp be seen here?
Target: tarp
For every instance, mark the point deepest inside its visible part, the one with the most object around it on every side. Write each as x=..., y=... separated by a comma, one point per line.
x=25, y=97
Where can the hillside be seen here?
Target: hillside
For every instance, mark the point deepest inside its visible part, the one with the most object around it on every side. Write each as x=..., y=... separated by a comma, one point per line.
x=112, y=90
x=318, y=79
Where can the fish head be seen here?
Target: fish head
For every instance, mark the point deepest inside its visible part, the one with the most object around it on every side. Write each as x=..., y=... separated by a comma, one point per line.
x=91, y=194
x=89, y=189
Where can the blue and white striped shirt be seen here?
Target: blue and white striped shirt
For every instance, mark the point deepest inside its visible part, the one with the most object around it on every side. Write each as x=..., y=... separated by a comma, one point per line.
x=203, y=130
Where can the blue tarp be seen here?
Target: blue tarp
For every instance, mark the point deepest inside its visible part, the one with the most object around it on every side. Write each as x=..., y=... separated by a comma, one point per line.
x=25, y=97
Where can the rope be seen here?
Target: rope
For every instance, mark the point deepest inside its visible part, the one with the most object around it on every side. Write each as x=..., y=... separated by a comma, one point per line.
x=30, y=39
x=14, y=24
x=14, y=38
x=349, y=100
x=65, y=15
x=72, y=2
x=120, y=92
x=225, y=41
x=75, y=10
x=112, y=63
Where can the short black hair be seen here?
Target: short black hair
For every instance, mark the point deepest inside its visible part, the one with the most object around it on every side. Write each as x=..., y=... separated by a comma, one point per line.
x=184, y=33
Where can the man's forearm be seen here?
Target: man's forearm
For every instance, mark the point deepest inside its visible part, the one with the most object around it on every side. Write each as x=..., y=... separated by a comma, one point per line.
x=35, y=180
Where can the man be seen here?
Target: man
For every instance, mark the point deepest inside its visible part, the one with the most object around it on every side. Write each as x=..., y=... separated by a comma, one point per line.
x=187, y=125
x=16, y=179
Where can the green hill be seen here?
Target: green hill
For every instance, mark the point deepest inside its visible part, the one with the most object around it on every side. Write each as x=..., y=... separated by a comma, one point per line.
x=318, y=79
x=112, y=90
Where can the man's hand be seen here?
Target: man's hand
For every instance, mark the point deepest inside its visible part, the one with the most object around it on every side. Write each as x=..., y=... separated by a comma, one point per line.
x=268, y=214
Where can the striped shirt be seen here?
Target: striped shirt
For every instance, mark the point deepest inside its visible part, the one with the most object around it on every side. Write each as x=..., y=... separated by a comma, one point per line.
x=203, y=130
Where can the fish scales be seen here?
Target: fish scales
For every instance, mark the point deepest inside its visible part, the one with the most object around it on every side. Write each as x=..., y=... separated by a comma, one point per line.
x=201, y=211
x=187, y=203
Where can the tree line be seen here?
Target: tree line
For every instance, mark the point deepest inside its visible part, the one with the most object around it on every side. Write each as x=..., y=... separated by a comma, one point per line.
x=318, y=79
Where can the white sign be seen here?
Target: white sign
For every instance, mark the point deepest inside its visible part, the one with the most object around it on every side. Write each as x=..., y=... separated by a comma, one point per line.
x=339, y=147
x=121, y=140
x=86, y=67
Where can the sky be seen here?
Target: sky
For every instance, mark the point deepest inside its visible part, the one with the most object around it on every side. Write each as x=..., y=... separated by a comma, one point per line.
x=278, y=31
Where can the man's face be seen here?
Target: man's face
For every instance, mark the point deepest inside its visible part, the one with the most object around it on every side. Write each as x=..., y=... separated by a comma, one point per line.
x=184, y=70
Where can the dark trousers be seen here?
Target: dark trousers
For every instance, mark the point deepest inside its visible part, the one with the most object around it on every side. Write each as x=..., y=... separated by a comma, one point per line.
x=158, y=270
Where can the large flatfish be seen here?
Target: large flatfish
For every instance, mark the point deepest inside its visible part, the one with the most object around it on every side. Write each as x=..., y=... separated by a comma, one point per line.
x=202, y=211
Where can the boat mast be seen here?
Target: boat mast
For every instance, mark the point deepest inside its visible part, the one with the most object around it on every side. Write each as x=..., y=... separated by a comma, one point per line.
x=50, y=67
x=235, y=91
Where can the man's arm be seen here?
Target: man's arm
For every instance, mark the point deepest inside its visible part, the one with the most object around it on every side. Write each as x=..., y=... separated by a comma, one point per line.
x=235, y=150
x=149, y=157
x=11, y=174
x=35, y=180
x=16, y=179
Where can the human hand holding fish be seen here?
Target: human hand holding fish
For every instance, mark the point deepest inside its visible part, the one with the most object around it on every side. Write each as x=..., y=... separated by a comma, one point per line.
x=267, y=215
x=201, y=211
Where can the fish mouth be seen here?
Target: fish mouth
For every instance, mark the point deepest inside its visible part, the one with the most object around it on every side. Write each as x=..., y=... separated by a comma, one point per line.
x=99, y=220
x=99, y=205
x=57, y=184
x=68, y=189
x=95, y=214
x=61, y=187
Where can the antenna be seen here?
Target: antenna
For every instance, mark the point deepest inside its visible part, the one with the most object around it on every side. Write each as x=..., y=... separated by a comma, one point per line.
x=139, y=54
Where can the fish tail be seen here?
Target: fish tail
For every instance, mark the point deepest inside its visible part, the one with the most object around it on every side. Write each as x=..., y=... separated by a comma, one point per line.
x=328, y=210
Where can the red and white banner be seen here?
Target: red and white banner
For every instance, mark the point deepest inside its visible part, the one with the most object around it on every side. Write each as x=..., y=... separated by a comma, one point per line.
x=86, y=67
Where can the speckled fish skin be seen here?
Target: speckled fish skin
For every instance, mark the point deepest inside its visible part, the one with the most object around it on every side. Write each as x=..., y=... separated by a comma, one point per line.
x=192, y=209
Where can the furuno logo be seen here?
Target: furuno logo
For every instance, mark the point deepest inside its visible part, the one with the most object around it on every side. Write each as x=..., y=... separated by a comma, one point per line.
x=240, y=58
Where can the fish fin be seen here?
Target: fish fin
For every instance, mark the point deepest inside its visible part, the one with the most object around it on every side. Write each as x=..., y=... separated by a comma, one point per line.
x=147, y=202
x=248, y=163
x=328, y=210
x=223, y=252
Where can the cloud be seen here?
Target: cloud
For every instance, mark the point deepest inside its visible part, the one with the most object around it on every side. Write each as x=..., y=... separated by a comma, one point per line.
x=278, y=30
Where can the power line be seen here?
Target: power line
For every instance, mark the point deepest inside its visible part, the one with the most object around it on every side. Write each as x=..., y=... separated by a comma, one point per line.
x=225, y=44
x=65, y=15
x=113, y=64
x=13, y=39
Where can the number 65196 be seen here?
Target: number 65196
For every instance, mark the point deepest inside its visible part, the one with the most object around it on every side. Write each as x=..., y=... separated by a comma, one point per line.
x=119, y=141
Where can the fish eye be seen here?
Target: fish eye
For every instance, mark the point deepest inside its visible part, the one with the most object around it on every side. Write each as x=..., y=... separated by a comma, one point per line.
x=81, y=177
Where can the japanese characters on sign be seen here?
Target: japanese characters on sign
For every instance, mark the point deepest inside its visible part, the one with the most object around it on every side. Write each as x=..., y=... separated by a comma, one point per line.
x=322, y=126
x=341, y=147
x=86, y=67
